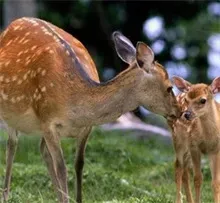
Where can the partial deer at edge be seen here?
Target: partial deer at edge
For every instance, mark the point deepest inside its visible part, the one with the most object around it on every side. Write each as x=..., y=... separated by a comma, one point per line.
x=197, y=132
x=49, y=85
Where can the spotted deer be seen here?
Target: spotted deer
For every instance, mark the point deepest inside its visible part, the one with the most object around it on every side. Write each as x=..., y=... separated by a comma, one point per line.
x=195, y=133
x=49, y=85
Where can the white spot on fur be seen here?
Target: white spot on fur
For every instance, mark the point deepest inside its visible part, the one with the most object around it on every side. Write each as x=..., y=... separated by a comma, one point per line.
x=4, y=96
x=43, y=73
x=16, y=39
x=22, y=96
x=48, y=33
x=33, y=48
x=7, y=80
x=27, y=62
x=26, y=51
x=19, y=81
x=18, y=60
x=27, y=33
x=14, y=78
x=67, y=53
x=38, y=97
x=21, y=40
x=18, y=99
x=39, y=52
x=39, y=69
x=33, y=74
x=27, y=58
x=26, y=41
x=43, y=89
x=16, y=27
x=13, y=100
x=7, y=63
x=51, y=84
x=25, y=76
x=21, y=52
x=35, y=24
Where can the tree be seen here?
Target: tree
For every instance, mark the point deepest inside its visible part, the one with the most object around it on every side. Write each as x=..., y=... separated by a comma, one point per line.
x=15, y=9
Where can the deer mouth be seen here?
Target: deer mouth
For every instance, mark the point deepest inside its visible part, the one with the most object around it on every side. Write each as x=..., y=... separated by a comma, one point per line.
x=173, y=117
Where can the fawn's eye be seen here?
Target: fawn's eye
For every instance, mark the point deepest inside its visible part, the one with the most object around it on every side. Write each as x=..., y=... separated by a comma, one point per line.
x=202, y=101
x=169, y=89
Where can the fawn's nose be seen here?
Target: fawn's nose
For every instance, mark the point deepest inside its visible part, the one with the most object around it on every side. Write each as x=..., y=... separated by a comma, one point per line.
x=187, y=115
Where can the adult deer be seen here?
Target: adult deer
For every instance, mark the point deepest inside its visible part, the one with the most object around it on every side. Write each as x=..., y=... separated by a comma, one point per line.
x=49, y=85
x=196, y=132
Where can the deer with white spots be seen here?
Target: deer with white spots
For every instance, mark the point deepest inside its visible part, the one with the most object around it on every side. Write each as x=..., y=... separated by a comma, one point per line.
x=49, y=85
x=197, y=132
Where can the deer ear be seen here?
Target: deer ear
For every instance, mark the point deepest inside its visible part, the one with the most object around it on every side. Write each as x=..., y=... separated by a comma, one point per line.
x=181, y=84
x=215, y=86
x=124, y=48
x=144, y=55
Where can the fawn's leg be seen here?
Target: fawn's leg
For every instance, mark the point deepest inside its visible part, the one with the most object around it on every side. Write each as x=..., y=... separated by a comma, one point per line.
x=178, y=180
x=57, y=165
x=79, y=162
x=186, y=184
x=196, y=159
x=49, y=163
x=215, y=169
x=10, y=153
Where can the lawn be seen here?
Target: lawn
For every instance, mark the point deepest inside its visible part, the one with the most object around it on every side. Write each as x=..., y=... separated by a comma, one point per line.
x=119, y=168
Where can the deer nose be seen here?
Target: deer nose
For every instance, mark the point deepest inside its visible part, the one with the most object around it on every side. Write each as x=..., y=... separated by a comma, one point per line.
x=187, y=115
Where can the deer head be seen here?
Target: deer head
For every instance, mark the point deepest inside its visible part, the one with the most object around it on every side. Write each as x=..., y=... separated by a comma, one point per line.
x=199, y=98
x=154, y=89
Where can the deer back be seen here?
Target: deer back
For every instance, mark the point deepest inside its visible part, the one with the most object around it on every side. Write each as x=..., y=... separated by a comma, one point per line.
x=40, y=69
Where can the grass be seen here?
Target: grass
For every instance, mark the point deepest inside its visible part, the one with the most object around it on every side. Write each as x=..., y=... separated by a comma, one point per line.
x=118, y=169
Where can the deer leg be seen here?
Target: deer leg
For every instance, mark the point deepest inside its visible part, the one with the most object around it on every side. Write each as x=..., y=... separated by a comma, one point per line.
x=186, y=184
x=196, y=159
x=178, y=180
x=215, y=167
x=49, y=163
x=79, y=162
x=56, y=166
x=10, y=153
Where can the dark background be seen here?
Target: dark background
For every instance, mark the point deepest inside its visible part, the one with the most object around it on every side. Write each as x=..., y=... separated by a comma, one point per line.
x=186, y=24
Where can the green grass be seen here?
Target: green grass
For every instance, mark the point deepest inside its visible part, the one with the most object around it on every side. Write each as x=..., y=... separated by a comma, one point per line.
x=118, y=169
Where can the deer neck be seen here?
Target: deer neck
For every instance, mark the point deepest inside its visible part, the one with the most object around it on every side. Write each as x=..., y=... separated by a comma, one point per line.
x=210, y=122
x=106, y=102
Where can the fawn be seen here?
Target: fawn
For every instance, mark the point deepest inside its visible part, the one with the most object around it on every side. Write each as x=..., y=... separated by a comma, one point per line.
x=49, y=85
x=197, y=132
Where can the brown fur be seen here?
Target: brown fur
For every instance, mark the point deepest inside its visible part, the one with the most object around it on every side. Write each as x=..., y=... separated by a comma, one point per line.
x=49, y=85
x=191, y=138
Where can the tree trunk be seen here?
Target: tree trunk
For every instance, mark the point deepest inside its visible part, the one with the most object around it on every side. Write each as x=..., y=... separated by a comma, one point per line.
x=13, y=9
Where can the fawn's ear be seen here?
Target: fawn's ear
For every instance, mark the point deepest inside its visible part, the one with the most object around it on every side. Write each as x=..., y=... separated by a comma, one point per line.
x=144, y=56
x=181, y=84
x=215, y=86
x=124, y=48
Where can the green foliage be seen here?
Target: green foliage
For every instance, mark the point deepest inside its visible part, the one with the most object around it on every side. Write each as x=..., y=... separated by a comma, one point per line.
x=118, y=169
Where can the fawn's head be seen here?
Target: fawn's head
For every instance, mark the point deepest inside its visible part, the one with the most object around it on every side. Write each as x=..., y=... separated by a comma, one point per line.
x=199, y=97
x=154, y=89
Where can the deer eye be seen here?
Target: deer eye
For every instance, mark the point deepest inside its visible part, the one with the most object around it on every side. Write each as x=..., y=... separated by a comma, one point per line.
x=169, y=89
x=202, y=101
